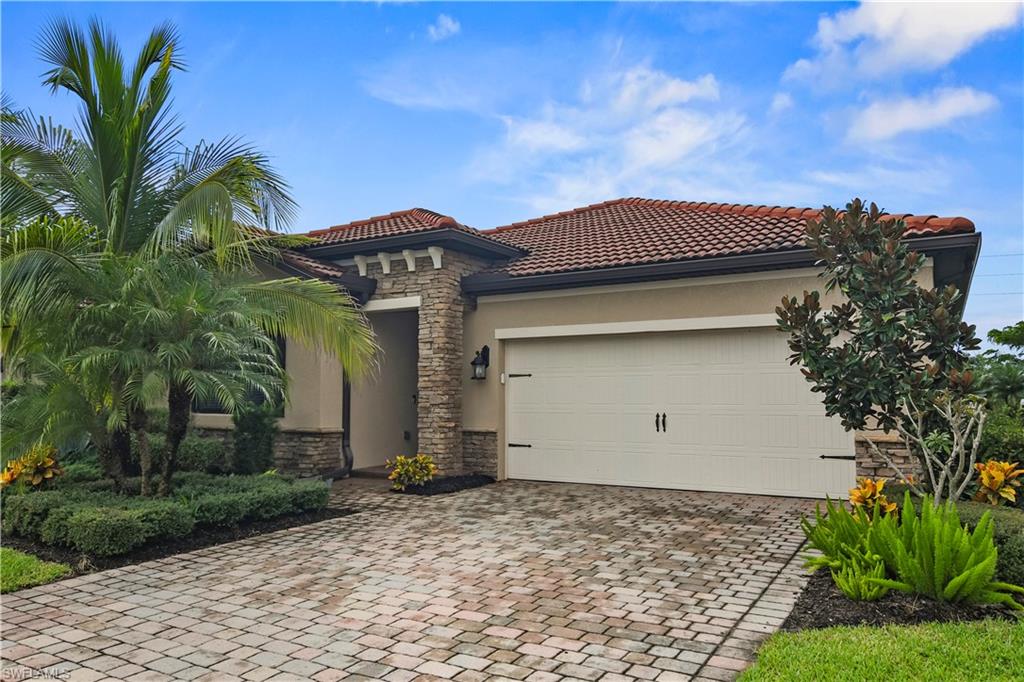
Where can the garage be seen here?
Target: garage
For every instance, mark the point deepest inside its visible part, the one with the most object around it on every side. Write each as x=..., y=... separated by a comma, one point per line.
x=715, y=409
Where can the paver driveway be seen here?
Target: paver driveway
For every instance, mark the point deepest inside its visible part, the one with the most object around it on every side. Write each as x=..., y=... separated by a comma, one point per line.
x=516, y=580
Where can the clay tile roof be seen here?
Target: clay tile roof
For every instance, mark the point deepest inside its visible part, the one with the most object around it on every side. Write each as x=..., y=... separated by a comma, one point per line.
x=313, y=267
x=641, y=231
x=400, y=222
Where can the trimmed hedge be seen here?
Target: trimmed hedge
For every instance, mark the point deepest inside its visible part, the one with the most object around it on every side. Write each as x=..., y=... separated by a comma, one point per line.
x=1003, y=437
x=202, y=454
x=91, y=518
x=105, y=531
x=1008, y=534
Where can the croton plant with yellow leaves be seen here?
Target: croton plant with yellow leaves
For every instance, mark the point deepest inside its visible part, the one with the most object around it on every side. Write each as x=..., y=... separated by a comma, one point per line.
x=997, y=481
x=35, y=468
x=868, y=494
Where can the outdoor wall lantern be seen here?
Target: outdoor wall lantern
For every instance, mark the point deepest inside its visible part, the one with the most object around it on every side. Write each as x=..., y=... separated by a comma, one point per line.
x=480, y=363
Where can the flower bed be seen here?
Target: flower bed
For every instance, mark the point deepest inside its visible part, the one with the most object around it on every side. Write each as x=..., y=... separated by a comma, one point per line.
x=89, y=525
x=448, y=484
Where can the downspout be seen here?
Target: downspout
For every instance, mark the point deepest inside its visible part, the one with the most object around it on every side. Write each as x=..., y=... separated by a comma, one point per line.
x=347, y=458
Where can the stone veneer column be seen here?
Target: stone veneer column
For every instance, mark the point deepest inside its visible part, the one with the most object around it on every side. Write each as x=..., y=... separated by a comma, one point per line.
x=441, y=362
x=439, y=368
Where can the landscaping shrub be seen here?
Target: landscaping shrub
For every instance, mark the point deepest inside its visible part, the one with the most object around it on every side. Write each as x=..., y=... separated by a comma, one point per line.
x=80, y=472
x=309, y=496
x=406, y=471
x=24, y=514
x=932, y=553
x=997, y=482
x=54, y=528
x=156, y=422
x=34, y=469
x=224, y=509
x=164, y=519
x=928, y=552
x=1003, y=436
x=269, y=503
x=202, y=454
x=254, y=435
x=105, y=531
x=1008, y=534
x=76, y=515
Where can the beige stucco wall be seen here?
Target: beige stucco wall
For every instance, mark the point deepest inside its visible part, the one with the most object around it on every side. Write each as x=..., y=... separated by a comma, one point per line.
x=383, y=407
x=314, y=393
x=753, y=294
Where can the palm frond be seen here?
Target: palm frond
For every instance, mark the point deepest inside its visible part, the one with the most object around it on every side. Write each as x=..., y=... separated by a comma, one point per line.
x=317, y=314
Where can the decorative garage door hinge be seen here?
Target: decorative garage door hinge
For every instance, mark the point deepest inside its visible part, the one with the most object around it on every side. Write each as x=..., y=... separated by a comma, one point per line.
x=513, y=376
x=849, y=457
x=520, y=445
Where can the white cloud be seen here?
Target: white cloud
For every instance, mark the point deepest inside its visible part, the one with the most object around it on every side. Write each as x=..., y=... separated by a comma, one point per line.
x=445, y=27
x=886, y=119
x=876, y=40
x=781, y=102
x=542, y=135
x=627, y=131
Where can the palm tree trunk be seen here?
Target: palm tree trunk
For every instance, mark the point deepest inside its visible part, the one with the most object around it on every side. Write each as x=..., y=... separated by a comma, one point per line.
x=108, y=452
x=139, y=421
x=179, y=409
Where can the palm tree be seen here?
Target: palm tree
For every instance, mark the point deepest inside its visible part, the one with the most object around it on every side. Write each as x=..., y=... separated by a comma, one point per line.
x=85, y=212
x=192, y=333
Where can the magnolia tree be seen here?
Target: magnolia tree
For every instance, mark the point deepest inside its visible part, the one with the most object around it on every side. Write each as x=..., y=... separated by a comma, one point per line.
x=890, y=355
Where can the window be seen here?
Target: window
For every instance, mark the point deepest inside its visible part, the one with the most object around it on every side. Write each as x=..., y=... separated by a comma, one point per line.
x=213, y=406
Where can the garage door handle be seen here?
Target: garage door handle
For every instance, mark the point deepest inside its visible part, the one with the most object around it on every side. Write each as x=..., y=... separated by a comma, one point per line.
x=849, y=457
x=664, y=422
x=520, y=445
x=657, y=424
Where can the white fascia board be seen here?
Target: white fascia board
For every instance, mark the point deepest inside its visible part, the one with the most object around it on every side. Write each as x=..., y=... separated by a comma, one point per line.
x=648, y=286
x=638, y=327
x=399, y=303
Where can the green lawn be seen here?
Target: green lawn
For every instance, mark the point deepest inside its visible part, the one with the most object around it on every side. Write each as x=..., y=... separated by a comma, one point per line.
x=18, y=570
x=987, y=650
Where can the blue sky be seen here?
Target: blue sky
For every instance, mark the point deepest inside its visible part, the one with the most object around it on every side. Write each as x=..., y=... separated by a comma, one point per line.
x=499, y=112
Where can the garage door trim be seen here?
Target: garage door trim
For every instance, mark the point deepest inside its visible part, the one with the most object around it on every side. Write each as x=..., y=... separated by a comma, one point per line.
x=638, y=327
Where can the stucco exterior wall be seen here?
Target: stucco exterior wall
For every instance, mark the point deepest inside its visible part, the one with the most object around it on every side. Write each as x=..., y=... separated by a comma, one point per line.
x=314, y=395
x=748, y=294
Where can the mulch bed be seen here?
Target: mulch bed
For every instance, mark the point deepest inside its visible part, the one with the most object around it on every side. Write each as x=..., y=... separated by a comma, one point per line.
x=822, y=605
x=200, y=538
x=449, y=484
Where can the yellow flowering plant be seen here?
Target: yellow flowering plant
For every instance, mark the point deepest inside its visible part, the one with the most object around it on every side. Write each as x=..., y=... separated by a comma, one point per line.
x=35, y=468
x=997, y=481
x=406, y=471
x=868, y=494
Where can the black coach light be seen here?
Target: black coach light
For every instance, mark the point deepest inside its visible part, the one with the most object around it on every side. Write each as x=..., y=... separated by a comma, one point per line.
x=480, y=363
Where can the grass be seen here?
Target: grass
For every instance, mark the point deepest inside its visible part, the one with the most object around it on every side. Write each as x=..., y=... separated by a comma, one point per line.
x=985, y=650
x=18, y=570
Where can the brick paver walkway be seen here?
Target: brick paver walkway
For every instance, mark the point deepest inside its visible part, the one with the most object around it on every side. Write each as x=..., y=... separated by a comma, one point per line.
x=522, y=581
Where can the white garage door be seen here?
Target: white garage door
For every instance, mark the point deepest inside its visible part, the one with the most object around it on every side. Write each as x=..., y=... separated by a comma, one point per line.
x=707, y=410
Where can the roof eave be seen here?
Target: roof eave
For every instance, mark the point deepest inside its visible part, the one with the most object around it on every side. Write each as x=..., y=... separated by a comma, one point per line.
x=359, y=288
x=954, y=247
x=456, y=240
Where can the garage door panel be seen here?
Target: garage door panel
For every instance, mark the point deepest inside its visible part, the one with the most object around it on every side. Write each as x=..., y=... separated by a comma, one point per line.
x=739, y=418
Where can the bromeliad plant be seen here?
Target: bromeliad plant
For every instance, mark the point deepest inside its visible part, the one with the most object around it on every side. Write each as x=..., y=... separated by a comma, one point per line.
x=407, y=471
x=997, y=481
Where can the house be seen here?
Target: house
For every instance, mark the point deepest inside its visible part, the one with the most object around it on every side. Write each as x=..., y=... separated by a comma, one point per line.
x=630, y=342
